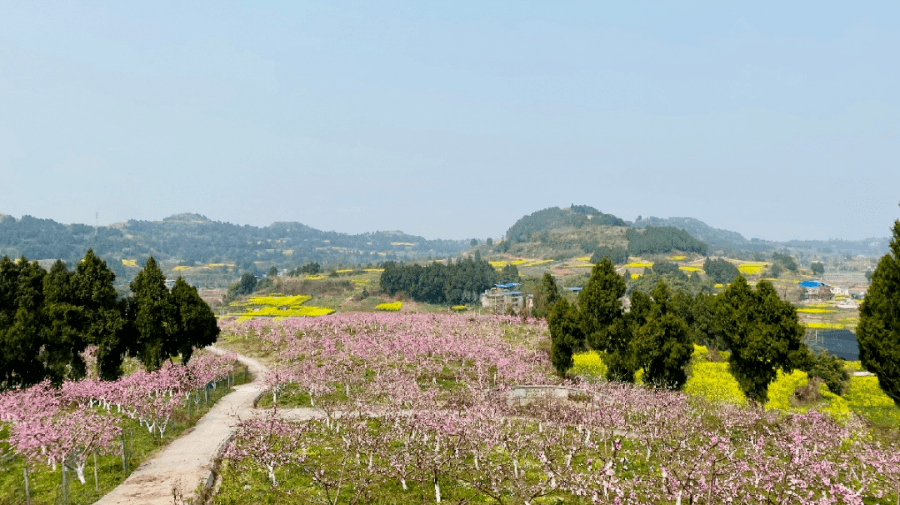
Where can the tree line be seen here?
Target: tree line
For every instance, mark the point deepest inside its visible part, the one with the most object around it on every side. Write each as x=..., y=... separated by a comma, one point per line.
x=762, y=332
x=48, y=320
x=454, y=283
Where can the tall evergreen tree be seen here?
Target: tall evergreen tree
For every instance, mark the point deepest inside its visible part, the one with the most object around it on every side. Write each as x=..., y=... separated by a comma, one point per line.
x=603, y=320
x=763, y=334
x=103, y=322
x=566, y=335
x=22, y=322
x=662, y=344
x=153, y=316
x=195, y=323
x=878, y=332
x=546, y=296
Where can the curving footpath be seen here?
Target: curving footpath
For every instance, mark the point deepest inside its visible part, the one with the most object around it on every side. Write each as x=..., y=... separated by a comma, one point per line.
x=178, y=469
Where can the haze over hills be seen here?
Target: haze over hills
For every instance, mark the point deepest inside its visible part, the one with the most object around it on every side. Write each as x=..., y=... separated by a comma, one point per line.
x=192, y=239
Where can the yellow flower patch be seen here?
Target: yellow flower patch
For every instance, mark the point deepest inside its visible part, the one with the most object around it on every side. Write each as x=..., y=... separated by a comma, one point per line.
x=498, y=264
x=389, y=307
x=635, y=276
x=583, y=258
x=316, y=277
x=129, y=263
x=181, y=268
x=344, y=271
x=690, y=269
x=373, y=270
x=752, y=268
x=640, y=264
x=713, y=382
x=825, y=326
x=680, y=257
x=360, y=282
x=278, y=301
x=588, y=364
x=813, y=310
x=458, y=308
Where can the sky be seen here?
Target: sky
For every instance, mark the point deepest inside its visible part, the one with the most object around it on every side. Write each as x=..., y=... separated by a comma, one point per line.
x=778, y=120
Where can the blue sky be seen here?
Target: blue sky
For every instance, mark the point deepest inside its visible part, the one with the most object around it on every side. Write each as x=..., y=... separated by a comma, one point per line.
x=452, y=121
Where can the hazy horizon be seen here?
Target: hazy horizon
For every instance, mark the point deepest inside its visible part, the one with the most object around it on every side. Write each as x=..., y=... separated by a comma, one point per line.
x=776, y=121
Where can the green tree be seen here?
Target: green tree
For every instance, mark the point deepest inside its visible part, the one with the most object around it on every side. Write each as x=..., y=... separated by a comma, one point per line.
x=566, y=335
x=102, y=318
x=22, y=322
x=878, y=332
x=195, y=323
x=763, y=334
x=817, y=268
x=546, y=296
x=153, y=316
x=721, y=271
x=64, y=338
x=603, y=319
x=662, y=344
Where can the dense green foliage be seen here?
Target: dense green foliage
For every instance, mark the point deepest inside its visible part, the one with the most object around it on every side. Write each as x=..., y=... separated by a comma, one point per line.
x=164, y=324
x=48, y=319
x=455, y=283
x=617, y=255
x=545, y=297
x=831, y=370
x=566, y=335
x=763, y=334
x=786, y=261
x=817, y=268
x=721, y=271
x=662, y=344
x=603, y=320
x=530, y=228
x=309, y=268
x=653, y=240
x=878, y=332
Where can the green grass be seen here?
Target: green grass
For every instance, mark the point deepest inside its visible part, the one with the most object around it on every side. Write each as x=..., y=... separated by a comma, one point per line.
x=45, y=485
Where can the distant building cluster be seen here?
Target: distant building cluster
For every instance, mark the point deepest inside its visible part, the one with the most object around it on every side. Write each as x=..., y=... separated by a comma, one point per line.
x=504, y=299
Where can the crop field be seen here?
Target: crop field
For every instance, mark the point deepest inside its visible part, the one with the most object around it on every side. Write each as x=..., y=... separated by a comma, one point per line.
x=416, y=408
x=275, y=306
x=752, y=268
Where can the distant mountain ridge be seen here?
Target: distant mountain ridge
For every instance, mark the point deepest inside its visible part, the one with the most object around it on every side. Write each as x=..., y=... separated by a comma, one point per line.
x=194, y=239
x=730, y=241
x=567, y=229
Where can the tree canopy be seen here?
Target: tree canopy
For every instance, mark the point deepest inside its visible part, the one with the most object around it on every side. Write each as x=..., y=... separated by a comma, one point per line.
x=763, y=334
x=878, y=332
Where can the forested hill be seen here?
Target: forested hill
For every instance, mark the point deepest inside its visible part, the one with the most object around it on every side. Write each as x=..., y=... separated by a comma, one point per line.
x=531, y=227
x=191, y=239
x=730, y=241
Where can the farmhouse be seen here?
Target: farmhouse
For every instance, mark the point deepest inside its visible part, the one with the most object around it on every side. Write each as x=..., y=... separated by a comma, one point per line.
x=815, y=290
x=502, y=299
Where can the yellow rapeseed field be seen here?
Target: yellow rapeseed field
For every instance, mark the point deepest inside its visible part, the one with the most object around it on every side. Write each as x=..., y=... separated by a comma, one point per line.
x=389, y=307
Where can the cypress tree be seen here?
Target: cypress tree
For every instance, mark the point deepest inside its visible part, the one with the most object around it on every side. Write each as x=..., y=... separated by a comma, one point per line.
x=878, y=332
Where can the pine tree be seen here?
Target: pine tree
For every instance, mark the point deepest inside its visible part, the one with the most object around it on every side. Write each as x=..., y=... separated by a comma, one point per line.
x=603, y=320
x=662, y=344
x=763, y=334
x=195, y=322
x=102, y=323
x=878, y=332
x=153, y=316
x=566, y=335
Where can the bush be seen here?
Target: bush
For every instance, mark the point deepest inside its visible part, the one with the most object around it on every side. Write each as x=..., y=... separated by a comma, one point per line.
x=831, y=370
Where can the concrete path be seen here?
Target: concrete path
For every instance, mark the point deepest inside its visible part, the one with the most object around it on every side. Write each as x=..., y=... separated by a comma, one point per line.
x=181, y=466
